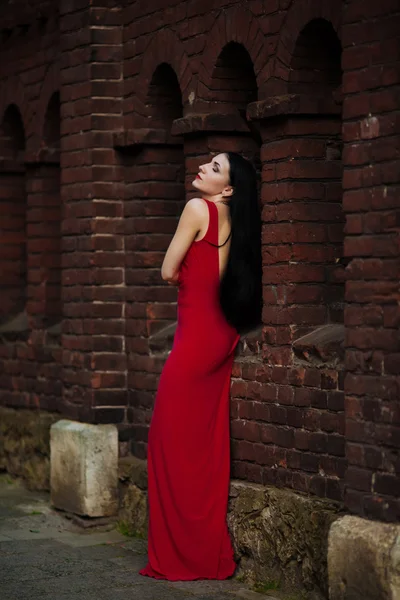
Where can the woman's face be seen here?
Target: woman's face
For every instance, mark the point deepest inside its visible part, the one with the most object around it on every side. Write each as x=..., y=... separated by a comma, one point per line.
x=213, y=177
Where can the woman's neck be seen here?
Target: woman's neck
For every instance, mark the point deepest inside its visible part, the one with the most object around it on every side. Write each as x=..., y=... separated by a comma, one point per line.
x=218, y=199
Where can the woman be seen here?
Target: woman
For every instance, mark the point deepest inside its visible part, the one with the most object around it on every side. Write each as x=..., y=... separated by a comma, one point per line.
x=215, y=258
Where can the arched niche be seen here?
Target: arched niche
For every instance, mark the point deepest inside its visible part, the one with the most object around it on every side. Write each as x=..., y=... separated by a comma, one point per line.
x=164, y=98
x=12, y=214
x=12, y=140
x=316, y=70
x=233, y=83
x=52, y=121
x=303, y=232
x=315, y=66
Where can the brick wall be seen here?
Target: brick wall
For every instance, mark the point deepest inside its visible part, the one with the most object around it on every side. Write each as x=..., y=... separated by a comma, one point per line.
x=371, y=85
x=112, y=111
x=30, y=305
x=93, y=276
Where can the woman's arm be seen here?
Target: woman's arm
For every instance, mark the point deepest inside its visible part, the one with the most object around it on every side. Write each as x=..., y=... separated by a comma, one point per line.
x=193, y=219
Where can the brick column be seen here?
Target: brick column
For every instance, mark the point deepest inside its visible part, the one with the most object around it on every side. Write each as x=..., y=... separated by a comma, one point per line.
x=299, y=436
x=93, y=285
x=43, y=224
x=302, y=215
x=153, y=203
x=371, y=181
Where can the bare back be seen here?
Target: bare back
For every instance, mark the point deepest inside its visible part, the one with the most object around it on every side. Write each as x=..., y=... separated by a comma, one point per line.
x=224, y=238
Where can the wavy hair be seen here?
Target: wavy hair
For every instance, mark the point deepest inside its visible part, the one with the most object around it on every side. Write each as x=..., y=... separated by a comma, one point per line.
x=241, y=285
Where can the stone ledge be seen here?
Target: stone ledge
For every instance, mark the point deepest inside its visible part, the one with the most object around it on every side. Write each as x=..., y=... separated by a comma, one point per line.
x=293, y=104
x=131, y=138
x=210, y=122
x=44, y=156
x=324, y=345
x=18, y=329
x=364, y=560
x=161, y=342
x=250, y=345
x=15, y=328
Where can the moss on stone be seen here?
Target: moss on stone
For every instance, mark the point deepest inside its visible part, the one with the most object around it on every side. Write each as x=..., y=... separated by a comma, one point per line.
x=25, y=445
x=280, y=535
x=133, y=470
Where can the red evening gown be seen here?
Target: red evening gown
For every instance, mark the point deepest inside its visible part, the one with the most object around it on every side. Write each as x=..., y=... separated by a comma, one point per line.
x=188, y=450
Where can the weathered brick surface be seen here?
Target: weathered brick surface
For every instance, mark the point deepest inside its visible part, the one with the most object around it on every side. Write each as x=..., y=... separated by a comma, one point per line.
x=371, y=62
x=106, y=114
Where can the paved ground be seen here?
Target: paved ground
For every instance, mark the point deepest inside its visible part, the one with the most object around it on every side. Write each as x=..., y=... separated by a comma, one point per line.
x=43, y=556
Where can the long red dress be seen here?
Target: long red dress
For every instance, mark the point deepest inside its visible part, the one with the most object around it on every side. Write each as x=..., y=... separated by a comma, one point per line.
x=188, y=451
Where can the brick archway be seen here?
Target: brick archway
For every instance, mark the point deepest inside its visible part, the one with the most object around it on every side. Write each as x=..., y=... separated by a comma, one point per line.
x=51, y=85
x=13, y=93
x=235, y=25
x=165, y=47
x=275, y=74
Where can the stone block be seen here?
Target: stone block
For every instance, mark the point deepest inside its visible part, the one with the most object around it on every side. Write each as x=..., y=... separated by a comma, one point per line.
x=84, y=468
x=363, y=560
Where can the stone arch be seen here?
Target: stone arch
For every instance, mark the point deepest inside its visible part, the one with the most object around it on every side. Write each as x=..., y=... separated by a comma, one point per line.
x=13, y=208
x=276, y=73
x=164, y=48
x=50, y=88
x=12, y=93
x=12, y=134
x=315, y=68
x=154, y=183
x=233, y=84
x=234, y=25
x=164, y=98
x=51, y=125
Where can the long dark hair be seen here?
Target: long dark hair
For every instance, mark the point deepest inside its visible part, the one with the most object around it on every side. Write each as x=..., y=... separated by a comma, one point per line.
x=241, y=285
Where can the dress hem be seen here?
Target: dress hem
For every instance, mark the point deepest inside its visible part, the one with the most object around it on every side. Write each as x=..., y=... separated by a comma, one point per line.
x=149, y=572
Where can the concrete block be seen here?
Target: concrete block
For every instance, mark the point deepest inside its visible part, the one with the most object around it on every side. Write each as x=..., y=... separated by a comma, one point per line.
x=84, y=468
x=363, y=560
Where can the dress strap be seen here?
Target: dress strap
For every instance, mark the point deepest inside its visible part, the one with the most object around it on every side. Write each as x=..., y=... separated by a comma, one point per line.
x=212, y=232
x=225, y=242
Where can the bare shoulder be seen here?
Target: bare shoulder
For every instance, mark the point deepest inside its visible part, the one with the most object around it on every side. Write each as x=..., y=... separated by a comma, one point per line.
x=197, y=205
x=196, y=209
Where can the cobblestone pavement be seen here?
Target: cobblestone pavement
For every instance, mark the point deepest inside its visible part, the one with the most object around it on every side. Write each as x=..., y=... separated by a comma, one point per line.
x=43, y=555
